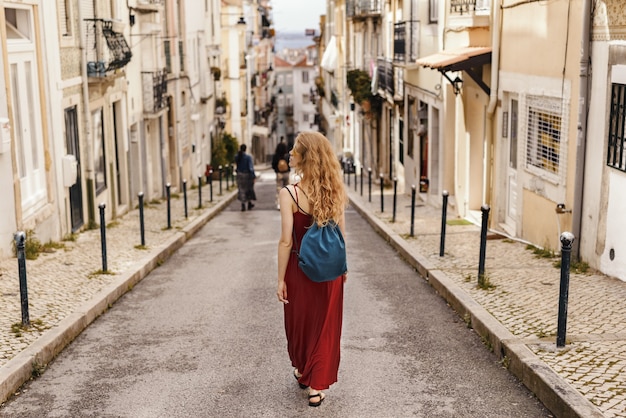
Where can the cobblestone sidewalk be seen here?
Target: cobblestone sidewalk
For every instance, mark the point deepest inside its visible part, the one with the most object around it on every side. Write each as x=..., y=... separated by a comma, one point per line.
x=523, y=295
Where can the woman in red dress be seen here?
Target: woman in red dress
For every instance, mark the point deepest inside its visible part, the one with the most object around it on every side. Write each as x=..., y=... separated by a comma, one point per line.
x=313, y=311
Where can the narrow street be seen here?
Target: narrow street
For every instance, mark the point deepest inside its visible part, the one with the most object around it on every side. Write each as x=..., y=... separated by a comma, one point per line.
x=202, y=336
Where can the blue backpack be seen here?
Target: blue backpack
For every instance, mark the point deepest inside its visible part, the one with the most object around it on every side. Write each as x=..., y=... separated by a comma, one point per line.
x=322, y=252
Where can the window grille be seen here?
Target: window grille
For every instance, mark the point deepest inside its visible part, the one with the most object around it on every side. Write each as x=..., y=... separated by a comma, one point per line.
x=546, y=137
x=615, y=156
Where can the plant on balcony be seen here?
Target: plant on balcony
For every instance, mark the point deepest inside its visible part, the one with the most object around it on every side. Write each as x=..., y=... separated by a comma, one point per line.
x=217, y=73
x=360, y=85
x=319, y=83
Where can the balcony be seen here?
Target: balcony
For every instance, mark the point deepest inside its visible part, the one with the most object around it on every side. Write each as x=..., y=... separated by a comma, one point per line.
x=470, y=13
x=107, y=49
x=154, y=85
x=361, y=9
x=148, y=6
x=406, y=41
x=385, y=75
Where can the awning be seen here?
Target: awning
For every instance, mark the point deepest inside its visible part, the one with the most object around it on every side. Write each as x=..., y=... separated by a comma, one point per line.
x=460, y=59
x=329, y=59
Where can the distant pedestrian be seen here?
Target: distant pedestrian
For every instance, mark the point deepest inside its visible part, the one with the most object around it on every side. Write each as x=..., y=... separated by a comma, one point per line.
x=245, y=178
x=280, y=164
x=313, y=311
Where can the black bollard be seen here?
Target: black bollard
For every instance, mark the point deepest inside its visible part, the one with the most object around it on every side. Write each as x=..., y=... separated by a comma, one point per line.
x=361, y=180
x=200, y=192
x=444, y=217
x=369, y=175
x=567, y=239
x=412, y=209
x=103, y=237
x=232, y=174
x=210, y=185
x=221, y=170
x=382, y=195
x=395, y=198
x=346, y=171
x=355, y=183
x=169, y=206
x=185, y=196
x=141, y=220
x=227, y=175
x=20, y=243
x=483, y=244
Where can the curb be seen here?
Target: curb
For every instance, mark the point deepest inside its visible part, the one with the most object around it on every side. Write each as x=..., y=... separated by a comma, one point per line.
x=554, y=392
x=21, y=368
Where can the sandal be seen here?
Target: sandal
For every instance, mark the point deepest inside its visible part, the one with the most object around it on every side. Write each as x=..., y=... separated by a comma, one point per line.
x=317, y=395
x=302, y=385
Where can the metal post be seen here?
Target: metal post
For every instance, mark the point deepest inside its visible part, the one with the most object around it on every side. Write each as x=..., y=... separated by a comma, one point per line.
x=226, y=176
x=20, y=243
x=169, y=206
x=199, y=191
x=567, y=239
x=221, y=169
x=361, y=180
x=444, y=218
x=103, y=237
x=141, y=220
x=346, y=171
x=355, y=182
x=395, y=198
x=382, y=195
x=483, y=243
x=210, y=185
x=232, y=174
x=185, y=196
x=369, y=175
x=412, y=209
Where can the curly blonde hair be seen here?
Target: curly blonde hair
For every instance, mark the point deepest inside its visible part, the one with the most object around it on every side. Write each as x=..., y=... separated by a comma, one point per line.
x=322, y=171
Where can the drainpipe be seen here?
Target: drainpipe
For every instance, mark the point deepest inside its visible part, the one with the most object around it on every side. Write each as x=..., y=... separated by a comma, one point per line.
x=581, y=145
x=493, y=96
x=89, y=164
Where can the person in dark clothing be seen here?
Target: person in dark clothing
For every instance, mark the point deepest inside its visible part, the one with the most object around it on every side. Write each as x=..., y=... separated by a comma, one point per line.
x=245, y=178
x=280, y=164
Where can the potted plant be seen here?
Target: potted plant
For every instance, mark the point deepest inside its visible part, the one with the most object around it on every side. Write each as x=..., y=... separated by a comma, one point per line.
x=360, y=85
x=217, y=73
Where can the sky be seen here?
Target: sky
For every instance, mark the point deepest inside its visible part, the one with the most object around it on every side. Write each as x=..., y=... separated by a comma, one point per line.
x=297, y=15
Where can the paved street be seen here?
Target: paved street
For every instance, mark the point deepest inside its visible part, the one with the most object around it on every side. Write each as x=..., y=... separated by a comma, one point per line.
x=202, y=335
x=517, y=316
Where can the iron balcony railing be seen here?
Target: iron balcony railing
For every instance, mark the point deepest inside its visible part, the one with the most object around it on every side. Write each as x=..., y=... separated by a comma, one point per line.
x=363, y=8
x=107, y=50
x=385, y=75
x=154, y=85
x=406, y=41
x=464, y=7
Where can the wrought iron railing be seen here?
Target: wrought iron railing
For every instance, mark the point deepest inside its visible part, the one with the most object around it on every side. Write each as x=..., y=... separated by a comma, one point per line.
x=385, y=75
x=107, y=49
x=363, y=8
x=154, y=85
x=406, y=41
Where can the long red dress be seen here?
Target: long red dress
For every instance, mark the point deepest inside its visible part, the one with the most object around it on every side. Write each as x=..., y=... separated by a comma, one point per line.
x=313, y=319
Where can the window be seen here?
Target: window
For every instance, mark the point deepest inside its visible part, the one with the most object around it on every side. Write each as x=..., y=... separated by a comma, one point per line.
x=412, y=114
x=289, y=79
x=306, y=98
x=98, y=149
x=65, y=18
x=543, y=137
x=305, y=76
x=615, y=156
x=433, y=14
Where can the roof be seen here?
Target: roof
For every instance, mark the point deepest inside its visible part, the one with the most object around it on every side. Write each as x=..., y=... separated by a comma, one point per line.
x=457, y=59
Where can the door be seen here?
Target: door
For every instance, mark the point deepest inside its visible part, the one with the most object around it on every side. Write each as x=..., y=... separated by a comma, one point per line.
x=28, y=131
x=73, y=148
x=511, y=185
